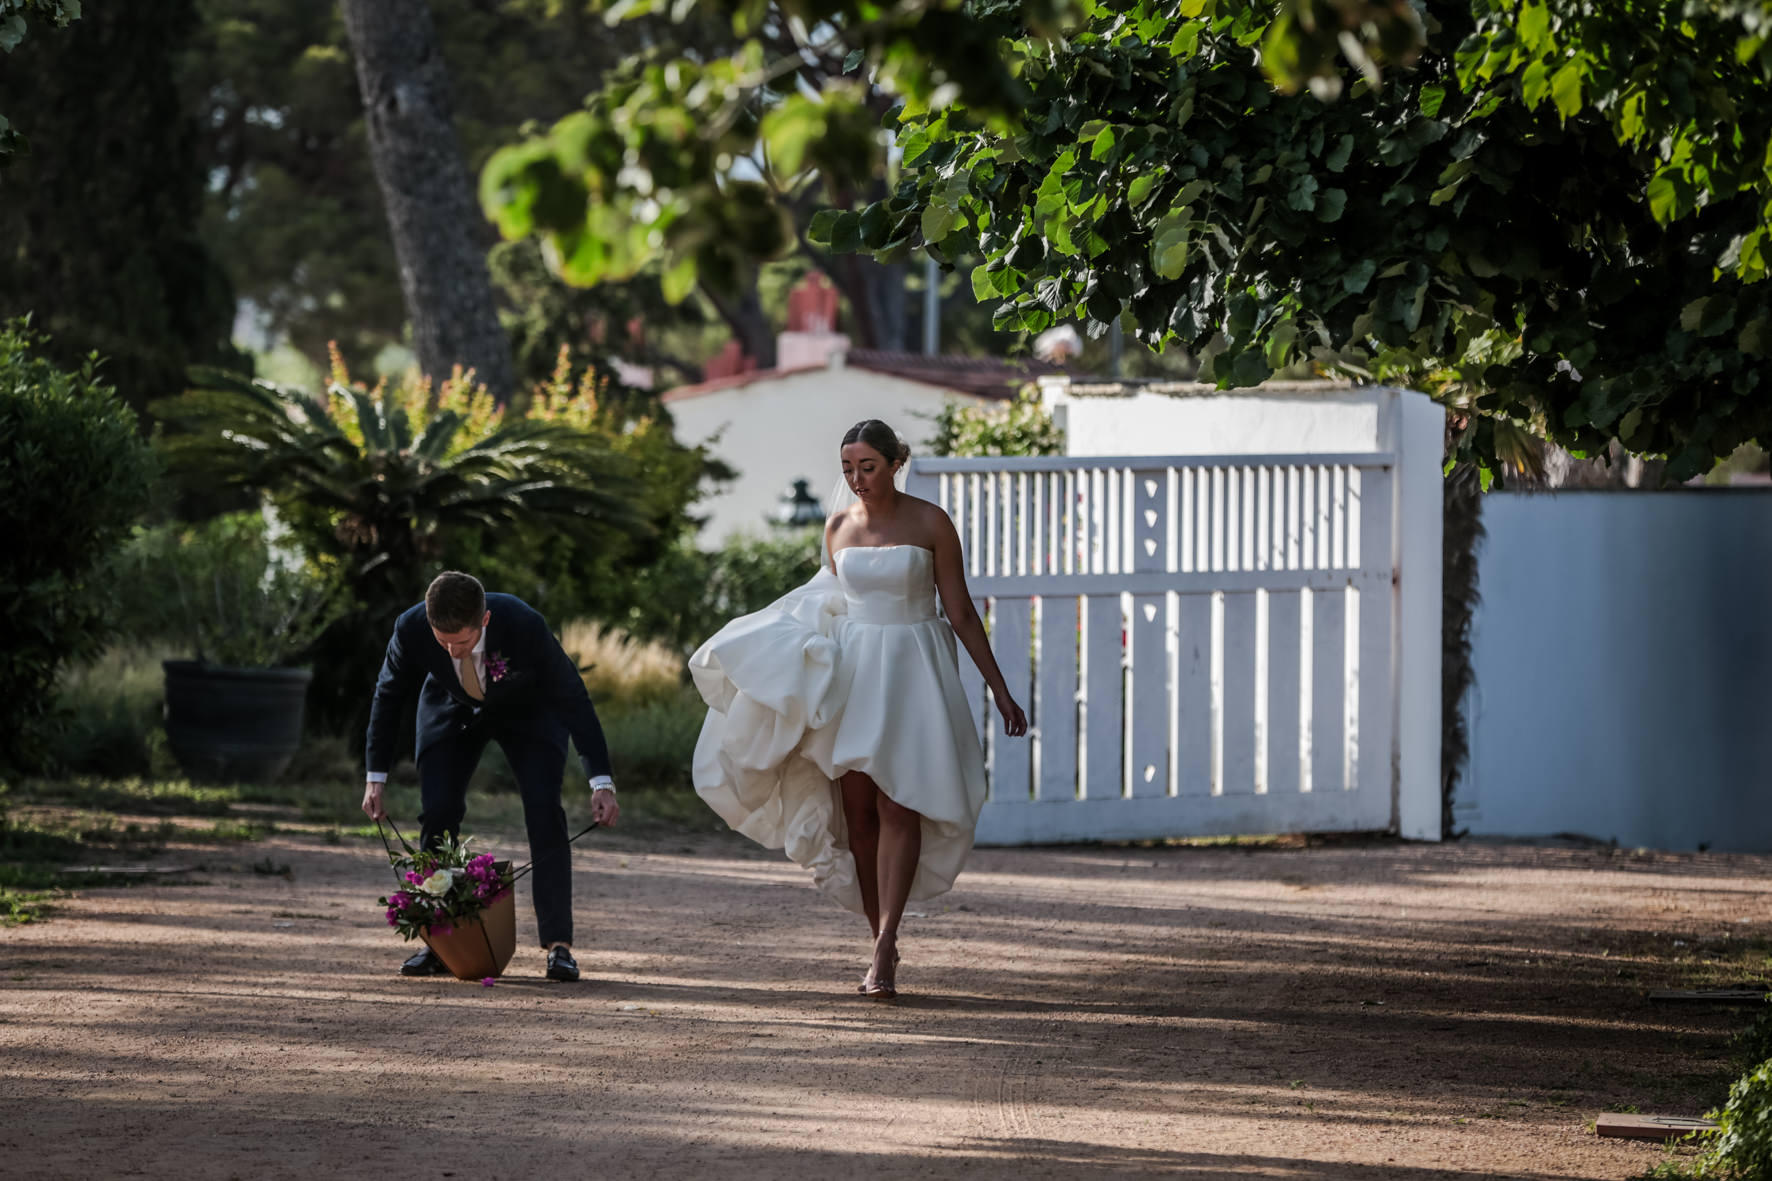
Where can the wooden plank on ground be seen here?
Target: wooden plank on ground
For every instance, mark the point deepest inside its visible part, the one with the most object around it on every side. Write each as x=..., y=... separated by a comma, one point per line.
x=1712, y=996
x=1625, y=1126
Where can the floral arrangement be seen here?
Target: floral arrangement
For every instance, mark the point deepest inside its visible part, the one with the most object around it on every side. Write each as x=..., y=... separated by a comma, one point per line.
x=443, y=887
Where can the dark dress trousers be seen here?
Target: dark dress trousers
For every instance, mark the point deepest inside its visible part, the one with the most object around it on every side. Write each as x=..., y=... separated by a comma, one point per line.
x=535, y=700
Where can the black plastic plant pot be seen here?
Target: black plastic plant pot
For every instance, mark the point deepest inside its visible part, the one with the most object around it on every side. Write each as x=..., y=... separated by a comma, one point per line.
x=234, y=725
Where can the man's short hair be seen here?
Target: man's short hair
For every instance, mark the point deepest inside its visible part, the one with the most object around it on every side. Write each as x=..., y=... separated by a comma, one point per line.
x=455, y=602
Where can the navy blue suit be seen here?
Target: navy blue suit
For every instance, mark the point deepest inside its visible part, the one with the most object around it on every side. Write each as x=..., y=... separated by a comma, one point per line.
x=535, y=699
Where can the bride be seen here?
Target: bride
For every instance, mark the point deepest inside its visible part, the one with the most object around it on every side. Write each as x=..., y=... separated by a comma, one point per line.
x=837, y=726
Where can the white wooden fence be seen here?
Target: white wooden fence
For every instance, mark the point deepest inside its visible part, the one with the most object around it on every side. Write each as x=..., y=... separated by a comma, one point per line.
x=1204, y=644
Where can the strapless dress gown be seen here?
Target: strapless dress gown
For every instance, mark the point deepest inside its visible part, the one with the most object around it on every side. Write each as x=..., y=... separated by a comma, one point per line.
x=854, y=671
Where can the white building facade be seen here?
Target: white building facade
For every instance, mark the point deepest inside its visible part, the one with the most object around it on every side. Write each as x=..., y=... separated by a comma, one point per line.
x=776, y=426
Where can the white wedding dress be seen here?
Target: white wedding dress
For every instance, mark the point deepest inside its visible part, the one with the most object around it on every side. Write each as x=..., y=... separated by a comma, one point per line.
x=854, y=671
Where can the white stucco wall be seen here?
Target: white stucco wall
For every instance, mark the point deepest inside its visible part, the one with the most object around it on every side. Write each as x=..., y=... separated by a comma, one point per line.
x=778, y=429
x=1285, y=417
x=1621, y=652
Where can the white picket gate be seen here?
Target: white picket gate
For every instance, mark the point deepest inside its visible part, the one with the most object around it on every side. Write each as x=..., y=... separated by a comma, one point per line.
x=1203, y=644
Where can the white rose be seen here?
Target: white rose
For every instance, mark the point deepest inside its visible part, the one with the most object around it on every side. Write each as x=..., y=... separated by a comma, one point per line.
x=438, y=883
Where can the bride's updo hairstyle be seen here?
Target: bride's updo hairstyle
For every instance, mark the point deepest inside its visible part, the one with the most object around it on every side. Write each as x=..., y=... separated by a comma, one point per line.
x=881, y=438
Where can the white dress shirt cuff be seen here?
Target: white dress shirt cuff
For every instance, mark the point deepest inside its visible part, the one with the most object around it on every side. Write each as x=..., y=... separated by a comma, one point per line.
x=602, y=783
x=375, y=777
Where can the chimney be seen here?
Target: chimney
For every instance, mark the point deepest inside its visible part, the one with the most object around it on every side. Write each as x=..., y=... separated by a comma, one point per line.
x=811, y=337
x=730, y=361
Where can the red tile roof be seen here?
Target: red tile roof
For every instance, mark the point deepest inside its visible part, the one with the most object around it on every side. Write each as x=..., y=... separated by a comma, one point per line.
x=735, y=381
x=985, y=377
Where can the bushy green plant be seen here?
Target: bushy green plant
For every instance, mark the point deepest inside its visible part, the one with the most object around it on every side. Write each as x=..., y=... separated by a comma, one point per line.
x=750, y=573
x=1741, y=1149
x=74, y=472
x=653, y=744
x=1022, y=427
x=221, y=593
x=562, y=573
x=377, y=483
x=687, y=594
x=1753, y=1045
x=111, y=711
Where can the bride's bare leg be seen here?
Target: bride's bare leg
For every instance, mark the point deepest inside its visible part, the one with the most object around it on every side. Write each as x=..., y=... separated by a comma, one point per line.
x=862, y=818
x=900, y=846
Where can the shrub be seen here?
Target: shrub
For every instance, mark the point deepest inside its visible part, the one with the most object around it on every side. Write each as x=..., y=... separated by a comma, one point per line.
x=1022, y=427
x=686, y=595
x=1753, y=1045
x=653, y=745
x=392, y=484
x=112, y=710
x=220, y=592
x=1742, y=1146
x=74, y=472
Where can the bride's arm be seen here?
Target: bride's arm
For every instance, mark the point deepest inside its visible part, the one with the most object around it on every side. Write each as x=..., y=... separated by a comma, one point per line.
x=950, y=582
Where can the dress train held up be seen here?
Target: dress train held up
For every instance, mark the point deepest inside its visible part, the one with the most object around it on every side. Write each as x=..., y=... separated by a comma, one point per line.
x=855, y=671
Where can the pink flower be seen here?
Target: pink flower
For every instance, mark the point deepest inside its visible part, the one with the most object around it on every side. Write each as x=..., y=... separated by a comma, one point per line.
x=496, y=668
x=488, y=981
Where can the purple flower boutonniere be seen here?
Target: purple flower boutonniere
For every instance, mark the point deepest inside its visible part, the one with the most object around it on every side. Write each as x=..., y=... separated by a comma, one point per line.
x=496, y=668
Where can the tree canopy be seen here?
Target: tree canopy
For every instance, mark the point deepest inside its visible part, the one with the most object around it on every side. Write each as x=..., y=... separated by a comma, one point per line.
x=15, y=16
x=101, y=220
x=1553, y=214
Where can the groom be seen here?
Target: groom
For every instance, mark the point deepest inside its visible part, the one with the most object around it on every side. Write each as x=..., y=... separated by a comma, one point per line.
x=484, y=668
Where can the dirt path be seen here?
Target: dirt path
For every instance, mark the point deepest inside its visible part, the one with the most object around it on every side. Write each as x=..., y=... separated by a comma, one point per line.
x=1378, y=1011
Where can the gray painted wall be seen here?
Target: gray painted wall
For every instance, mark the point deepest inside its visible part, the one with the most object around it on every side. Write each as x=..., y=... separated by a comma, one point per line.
x=1623, y=659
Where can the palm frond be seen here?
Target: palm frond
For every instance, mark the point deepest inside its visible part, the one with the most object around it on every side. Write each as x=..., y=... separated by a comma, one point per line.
x=433, y=444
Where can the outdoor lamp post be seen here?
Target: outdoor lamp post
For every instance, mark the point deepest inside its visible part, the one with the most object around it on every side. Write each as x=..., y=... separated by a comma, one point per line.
x=797, y=508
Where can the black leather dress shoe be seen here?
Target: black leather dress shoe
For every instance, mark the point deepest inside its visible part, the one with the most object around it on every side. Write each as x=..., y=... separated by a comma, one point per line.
x=425, y=963
x=561, y=965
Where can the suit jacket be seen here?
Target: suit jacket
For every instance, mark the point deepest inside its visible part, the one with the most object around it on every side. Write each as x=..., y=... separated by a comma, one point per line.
x=533, y=690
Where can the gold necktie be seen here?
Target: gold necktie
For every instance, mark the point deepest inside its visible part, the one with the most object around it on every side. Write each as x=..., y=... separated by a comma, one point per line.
x=470, y=678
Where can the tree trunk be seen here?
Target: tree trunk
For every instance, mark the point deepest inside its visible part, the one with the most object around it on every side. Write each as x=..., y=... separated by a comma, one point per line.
x=425, y=187
x=877, y=293
x=748, y=321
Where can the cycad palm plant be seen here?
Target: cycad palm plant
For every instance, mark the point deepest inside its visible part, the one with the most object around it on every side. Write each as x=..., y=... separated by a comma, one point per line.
x=378, y=481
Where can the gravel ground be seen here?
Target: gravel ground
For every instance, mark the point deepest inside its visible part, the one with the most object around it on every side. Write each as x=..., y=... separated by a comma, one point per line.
x=1356, y=1009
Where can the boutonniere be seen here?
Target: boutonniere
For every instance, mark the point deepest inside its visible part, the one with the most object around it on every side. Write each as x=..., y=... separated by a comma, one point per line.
x=496, y=668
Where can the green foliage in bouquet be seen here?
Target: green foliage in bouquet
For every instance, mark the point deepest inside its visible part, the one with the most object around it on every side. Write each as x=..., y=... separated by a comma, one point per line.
x=443, y=887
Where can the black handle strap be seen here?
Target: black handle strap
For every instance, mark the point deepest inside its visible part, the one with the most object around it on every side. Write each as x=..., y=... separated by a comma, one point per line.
x=553, y=852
